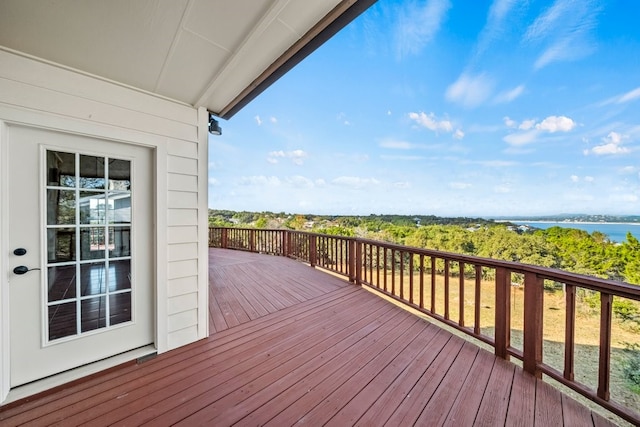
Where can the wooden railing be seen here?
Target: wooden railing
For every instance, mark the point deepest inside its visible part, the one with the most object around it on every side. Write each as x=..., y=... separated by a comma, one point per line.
x=452, y=287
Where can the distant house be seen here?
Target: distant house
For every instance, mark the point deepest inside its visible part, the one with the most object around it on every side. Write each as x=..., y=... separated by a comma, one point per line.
x=105, y=112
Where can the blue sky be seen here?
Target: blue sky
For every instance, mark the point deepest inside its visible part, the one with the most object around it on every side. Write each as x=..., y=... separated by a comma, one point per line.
x=450, y=108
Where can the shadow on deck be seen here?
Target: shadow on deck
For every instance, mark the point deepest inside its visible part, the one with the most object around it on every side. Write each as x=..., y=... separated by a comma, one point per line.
x=291, y=344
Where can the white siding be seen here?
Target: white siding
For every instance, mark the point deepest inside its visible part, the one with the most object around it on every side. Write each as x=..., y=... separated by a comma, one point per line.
x=38, y=94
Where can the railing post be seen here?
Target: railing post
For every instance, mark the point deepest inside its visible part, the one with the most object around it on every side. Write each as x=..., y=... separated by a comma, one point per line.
x=312, y=250
x=502, y=313
x=604, y=365
x=533, y=304
x=358, y=262
x=223, y=239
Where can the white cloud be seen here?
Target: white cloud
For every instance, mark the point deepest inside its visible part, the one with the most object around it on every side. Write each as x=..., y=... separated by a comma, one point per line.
x=396, y=145
x=342, y=117
x=459, y=185
x=510, y=95
x=395, y=157
x=258, y=120
x=508, y=122
x=502, y=188
x=299, y=181
x=624, y=198
x=554, y=124
x=296, y=156
x=418, y=23
x=273, y=120
x=575, y=178
x=521, y=138
x=402, y=184
x=532, y=130
x=612, y=144
x=354, y=182
x=260, y=180
x=458, y=134
x=630, y=96
x=628, y=170
x=431, y=122
x=589, y=179
x=320, y=182
x=527, y=124
x=564, y=30
x=470, y=91
x=213, y=181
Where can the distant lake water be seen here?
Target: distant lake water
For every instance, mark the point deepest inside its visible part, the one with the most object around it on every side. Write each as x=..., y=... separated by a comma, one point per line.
x=617, y=232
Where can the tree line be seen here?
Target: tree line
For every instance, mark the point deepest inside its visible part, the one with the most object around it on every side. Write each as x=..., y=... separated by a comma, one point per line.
x=557, y=247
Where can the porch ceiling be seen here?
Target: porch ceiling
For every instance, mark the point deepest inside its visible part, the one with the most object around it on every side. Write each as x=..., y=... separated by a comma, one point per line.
x=213, y=53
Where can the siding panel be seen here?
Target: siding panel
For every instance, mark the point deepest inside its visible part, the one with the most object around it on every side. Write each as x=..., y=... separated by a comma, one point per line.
x=182, y=217
x=182, y=200
x=183, y=251
x=182, y=234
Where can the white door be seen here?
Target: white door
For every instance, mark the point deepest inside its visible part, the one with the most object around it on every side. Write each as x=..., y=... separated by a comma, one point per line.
x=81, y=223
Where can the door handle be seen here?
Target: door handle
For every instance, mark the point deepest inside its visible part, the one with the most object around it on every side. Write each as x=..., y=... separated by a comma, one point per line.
x=22, y=269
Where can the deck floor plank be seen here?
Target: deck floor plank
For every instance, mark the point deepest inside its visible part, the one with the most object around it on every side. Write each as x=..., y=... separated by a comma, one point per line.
x=292, y=344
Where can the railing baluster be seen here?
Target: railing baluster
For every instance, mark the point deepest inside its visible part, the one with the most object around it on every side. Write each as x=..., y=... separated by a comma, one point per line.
x=393, y=271
x=411, y=278
x=476, y=310
x=401, y=274
x=533, y=305
x=502, y=313
x=385, y=267
x=446, y=289
x=433, y=284
x=421, y=280
x=604, y=365
x=569, y=332
x=461, y=293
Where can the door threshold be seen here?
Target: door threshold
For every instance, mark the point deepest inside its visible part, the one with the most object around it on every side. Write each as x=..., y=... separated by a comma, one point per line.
x=54, y=381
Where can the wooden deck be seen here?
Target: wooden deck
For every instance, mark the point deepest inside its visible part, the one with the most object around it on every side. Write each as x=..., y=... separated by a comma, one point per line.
x=291, y=344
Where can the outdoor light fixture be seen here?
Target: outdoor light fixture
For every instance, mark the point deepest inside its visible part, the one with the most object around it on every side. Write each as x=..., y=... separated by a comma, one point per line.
x=214, y=126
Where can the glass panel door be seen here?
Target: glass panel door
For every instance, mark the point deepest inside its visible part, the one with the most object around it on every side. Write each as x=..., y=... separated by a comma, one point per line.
x=88, y=270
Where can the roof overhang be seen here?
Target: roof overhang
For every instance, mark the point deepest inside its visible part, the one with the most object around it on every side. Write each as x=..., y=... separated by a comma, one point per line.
x=217, y=54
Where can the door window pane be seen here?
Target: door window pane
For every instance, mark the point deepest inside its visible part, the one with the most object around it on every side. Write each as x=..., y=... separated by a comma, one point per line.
x=61, y=169
x=93, y=278
x=119, y=175
x=120, y=305
x=61, y=207
x=61, y=282
x=94, y=313
x=92, y=243
x=62, y=320
x=61, y=244
x=119, y=242
x=92, y=208
x=92, y=173
x=119, y=275
x=119, y=208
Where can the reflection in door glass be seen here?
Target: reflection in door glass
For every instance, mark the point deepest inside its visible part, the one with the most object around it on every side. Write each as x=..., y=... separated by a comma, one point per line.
x=92, y=173
x=61, y=244
x=92, y=207
x=61, y=207
x=61, y=169
x=62, y=282
x=90, y=283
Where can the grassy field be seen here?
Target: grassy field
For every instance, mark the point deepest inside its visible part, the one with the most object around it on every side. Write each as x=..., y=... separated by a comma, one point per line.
x=586, y=333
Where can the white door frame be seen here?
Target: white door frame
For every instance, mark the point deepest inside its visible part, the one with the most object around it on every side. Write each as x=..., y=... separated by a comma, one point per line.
x=159, y=186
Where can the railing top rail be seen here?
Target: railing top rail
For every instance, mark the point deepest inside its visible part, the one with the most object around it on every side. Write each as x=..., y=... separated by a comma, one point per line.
x=621, y=289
